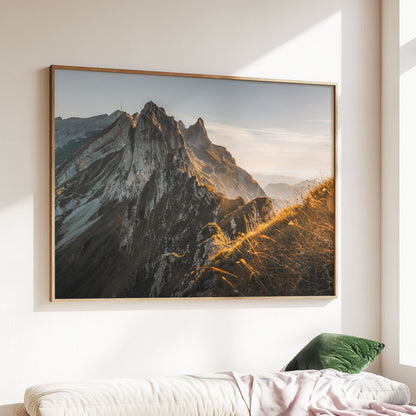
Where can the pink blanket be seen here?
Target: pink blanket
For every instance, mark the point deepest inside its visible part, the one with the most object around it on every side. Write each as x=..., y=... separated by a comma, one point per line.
x=311, y=392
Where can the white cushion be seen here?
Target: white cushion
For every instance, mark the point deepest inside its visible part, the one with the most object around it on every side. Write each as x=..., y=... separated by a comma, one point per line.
x=372, y=387
x=213, y=395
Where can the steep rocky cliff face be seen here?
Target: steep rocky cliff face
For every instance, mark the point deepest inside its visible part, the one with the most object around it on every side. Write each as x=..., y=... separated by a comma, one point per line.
x=140, y=206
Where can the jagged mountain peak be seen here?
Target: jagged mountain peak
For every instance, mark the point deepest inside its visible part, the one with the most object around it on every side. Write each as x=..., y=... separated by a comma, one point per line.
x=200, y=122
x=126, y=117
x=117, y=113
x=181, y=126
x=154, y=117
x=152, y=108
x=158, y=116
x=199, y=126
x=196, y=135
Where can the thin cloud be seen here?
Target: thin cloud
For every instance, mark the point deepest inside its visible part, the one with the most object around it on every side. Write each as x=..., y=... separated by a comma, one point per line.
x=280, y=135
x=276, y=150
x=321, y=120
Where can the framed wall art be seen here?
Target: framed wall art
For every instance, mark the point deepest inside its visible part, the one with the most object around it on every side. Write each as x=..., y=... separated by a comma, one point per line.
x=170, y=185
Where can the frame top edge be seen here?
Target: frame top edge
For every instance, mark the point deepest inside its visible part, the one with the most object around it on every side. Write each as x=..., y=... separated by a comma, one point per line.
x=54, y=67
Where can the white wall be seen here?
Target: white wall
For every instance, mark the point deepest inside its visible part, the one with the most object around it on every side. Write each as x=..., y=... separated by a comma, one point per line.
x=323, y=40
x=398, y=172
x=407, y=196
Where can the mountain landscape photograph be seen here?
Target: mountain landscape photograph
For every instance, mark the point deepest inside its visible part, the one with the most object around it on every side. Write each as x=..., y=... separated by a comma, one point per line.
x=175, y=186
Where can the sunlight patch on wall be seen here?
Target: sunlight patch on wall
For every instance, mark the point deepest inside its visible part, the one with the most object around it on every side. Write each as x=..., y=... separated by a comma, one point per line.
x=323, y=61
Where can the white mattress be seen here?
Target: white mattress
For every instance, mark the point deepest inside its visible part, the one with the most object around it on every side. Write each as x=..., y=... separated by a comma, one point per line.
x=212, y=395
x=372, y=387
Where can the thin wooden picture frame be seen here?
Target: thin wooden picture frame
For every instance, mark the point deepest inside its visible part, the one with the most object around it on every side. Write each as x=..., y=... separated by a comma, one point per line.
x=225, y=252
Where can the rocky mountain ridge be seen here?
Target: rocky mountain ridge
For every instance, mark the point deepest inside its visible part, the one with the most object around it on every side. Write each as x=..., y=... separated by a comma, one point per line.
x=138, y=206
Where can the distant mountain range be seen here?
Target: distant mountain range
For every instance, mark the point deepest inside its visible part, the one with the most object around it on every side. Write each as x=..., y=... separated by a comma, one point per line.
x=265, y=180
x=138, y=201
x=284, y=194
x=72, y=133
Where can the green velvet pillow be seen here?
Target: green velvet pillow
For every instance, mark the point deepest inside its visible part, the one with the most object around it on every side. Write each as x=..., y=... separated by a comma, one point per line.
x=344, y=353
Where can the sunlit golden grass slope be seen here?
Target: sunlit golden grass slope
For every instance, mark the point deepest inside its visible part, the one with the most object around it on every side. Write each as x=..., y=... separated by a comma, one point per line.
x=293, y=254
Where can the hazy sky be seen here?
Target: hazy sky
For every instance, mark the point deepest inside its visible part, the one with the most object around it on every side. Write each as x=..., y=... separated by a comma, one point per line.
x=269, y=128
